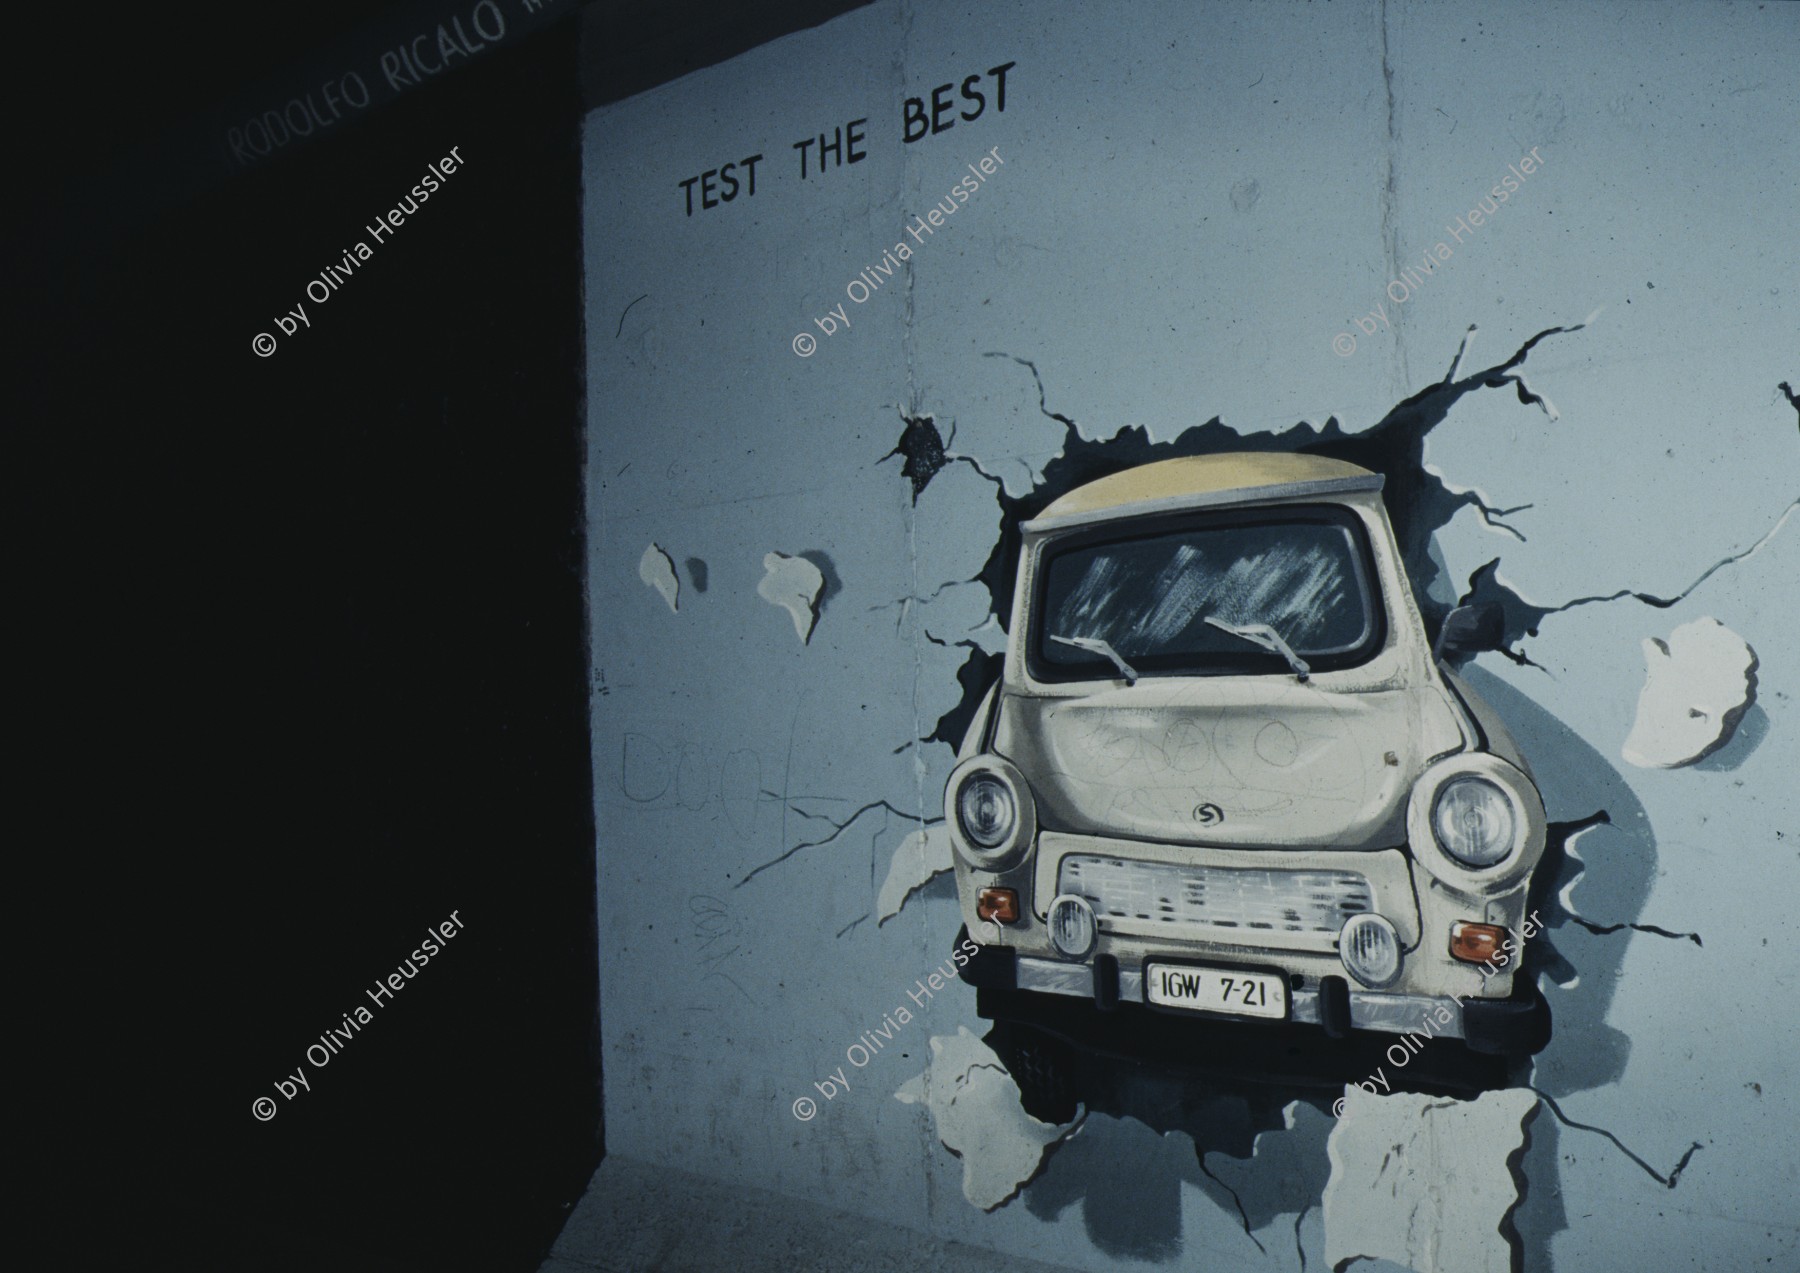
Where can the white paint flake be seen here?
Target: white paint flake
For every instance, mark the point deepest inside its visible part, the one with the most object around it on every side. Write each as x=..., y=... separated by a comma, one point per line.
x=921, y=858
x=1425, y=1181
x=975, y=1108
x=1697, y=686
x=794, y=584
x=657, y=569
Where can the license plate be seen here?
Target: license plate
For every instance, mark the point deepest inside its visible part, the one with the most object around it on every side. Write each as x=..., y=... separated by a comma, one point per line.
x=1239, y=994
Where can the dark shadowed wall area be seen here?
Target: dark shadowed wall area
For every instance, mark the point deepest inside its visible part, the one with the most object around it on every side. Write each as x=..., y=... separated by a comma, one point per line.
x=318, y=587
x=336, y=605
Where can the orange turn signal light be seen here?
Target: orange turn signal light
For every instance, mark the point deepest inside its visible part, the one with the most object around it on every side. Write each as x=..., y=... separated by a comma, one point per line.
x=998, y=904
x=1475, y=943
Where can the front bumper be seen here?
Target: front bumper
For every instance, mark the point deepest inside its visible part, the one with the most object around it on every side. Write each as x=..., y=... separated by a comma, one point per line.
x=1519, y=1025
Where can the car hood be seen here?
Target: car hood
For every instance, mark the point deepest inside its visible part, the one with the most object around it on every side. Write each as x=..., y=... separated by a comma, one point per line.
x=1244, y=762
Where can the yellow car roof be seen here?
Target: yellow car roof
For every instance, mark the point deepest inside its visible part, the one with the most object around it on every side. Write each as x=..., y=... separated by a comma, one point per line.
x=1197, y=481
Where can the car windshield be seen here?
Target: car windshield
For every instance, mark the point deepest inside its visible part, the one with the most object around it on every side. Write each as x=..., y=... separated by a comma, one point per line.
x=1163, y=598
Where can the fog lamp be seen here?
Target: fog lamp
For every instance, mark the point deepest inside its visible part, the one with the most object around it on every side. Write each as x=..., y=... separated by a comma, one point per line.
x=1370, y=948
x=1072, y=926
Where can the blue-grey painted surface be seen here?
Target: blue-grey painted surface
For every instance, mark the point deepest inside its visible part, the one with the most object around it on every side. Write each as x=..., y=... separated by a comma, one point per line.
x=1195, y=200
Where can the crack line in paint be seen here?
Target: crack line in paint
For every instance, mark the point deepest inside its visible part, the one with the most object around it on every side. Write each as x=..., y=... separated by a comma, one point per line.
x=1042, y=405
x=1603, y=929
x=841, y=828
x=1242, y=1214
x=902, y=601
x=1523, y=618
x=853, y=923
x=789, y=804
x=1668, y=1181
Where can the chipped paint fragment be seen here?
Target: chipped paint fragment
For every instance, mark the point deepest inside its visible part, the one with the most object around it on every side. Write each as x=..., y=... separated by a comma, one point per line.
x=794, y=584
x=1425, y=1181
x=657, y=569
x=975, y=1109
x=922, y=857
x=1697, y=687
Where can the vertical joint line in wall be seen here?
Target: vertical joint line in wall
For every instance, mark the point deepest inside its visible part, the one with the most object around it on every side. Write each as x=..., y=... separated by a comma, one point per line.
x=909, y=344
x=908, y=171
x=912, y=543
x=918, y=661
x=909, y=351
x=1390, y=188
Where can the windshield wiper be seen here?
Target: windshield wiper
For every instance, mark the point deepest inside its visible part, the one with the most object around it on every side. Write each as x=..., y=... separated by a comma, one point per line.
x=1262, y=634
x=1094, y=645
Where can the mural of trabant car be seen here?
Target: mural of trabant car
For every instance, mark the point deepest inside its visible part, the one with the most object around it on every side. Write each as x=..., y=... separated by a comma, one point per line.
x=1224, y=773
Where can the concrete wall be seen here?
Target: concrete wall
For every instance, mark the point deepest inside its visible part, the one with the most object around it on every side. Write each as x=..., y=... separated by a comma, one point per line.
x=1196, y=203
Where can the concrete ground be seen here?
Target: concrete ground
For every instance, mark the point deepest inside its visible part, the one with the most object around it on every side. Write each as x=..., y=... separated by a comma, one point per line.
x=635, y=1218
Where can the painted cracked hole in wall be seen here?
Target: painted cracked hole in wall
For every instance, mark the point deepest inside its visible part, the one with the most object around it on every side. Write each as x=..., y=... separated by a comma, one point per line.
x=1420, y=503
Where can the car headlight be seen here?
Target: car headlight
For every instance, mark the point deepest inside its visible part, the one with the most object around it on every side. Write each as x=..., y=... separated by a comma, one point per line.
x=1473, y=821
x=992, y=816
x=986, y=810
x=1369, y=945
x=1476, y=823
x=1072, y=925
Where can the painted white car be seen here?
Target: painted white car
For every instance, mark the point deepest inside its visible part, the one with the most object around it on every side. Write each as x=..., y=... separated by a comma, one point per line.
x=1224, y=773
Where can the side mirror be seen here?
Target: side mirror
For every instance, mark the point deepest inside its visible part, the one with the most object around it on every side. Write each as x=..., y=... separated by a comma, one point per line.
x=1468, y=629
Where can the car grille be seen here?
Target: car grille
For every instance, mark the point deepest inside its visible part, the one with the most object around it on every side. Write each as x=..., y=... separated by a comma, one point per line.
x=1247, y=906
